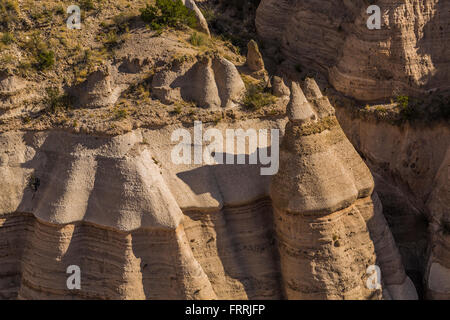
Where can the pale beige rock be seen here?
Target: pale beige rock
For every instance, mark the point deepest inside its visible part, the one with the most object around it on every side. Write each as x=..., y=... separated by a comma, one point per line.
x=13, y=93
x=10, y=84
x=141, y=227
x=255, y=60
x=411, y=166
x=202, y=23
x=407, y=56
x=322, y=188
x=98, y=90
x=210, y=82
x=94, y=207
x=298, y=109
x=279, y=87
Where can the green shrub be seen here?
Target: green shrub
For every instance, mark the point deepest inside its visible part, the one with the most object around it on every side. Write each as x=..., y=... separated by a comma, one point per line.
x=55, y=101
x=7, y=38
x=120, y=113
x=409, y=108
x=87, y=5
x=177, y=110
x=45, y=59
x=256, y=98
x=403, y=101
x=168, y=13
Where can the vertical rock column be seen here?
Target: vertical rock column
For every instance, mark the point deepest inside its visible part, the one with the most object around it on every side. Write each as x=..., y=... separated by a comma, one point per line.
x=323, y=206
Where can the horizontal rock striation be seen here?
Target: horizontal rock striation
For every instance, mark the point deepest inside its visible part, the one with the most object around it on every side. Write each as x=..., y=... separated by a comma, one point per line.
x=137, y=229
x=411, y=168
x=408, y=55
x=329, y=223
x=140, y=226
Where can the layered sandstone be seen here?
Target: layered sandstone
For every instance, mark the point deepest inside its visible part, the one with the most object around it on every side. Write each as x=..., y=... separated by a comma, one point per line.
x=98, y=90
x=140, y=226
x=14, y=92
x=328, y=222
x=408, y=55
x=411, y=166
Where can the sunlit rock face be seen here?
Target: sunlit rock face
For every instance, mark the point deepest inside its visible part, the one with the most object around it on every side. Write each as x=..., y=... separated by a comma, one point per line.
x=408, y=55
x=328, y=221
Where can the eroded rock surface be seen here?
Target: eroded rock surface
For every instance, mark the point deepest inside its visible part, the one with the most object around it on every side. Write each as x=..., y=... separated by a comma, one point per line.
x=210, y=82
x=141, y=227
x=411, y=168
x=408, y=55
x=324, y=205
x=98, y=90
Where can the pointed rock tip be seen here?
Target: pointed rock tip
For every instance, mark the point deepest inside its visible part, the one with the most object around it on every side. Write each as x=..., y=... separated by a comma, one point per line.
x=298, y=108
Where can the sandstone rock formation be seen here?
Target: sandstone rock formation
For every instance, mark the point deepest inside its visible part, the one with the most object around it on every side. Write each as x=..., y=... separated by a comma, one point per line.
x=98, y=90
x=137, y=228
x=210, y=82
x=142, y=227
x=411, y=169
x=324, y=205
x=408, y=55
x=13, y=91
x=279, y=87
x=255, y=60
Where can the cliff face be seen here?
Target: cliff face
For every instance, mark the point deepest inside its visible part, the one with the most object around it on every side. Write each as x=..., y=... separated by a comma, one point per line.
x=140, y=226
x=328, y=220
x=411, y=168
x=408, y=55
x=104, y=193
x=136, y=225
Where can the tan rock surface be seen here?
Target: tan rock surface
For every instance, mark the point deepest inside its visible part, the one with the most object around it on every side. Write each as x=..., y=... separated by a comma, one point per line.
x=411, y=166
x=408, y=55
x=323, y=207
x=141, y=227
x=210, y=82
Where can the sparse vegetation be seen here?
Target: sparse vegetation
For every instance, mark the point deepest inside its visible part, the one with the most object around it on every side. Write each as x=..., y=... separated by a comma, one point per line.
x=56, y=101
x=199, y=39
x=409, y=109
x=87, y=5
x=9, y=10
x=44, y=58
x=120, y=113
x=168, y=13
x=256, y=97
x=7, y=38
x=177, y=110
